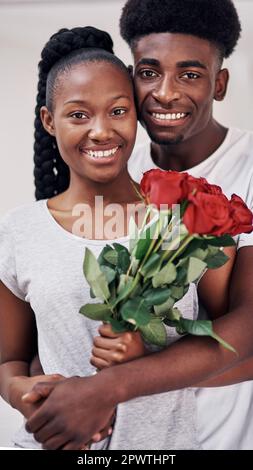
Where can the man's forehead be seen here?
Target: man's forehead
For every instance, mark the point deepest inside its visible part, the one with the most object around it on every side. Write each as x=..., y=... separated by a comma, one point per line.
x=173, y=46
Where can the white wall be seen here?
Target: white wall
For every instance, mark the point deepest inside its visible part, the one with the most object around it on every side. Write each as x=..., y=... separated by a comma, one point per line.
x=24, y=29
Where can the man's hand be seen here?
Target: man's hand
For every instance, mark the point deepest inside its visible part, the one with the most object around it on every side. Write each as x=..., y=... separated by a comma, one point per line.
x=72, y=415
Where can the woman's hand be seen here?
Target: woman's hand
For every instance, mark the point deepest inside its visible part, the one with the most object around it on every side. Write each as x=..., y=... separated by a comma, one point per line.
x=113, y=348
x=19, y=388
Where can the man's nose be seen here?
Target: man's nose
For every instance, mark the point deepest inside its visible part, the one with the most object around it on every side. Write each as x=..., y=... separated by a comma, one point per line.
x=167, y=91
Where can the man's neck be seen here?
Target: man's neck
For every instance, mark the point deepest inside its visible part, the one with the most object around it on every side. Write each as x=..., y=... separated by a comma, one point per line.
x=191, y=152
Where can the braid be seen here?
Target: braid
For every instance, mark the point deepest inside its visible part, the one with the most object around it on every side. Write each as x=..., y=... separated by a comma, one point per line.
x=51, y=173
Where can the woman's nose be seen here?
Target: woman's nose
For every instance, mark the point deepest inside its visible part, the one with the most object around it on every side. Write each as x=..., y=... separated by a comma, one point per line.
x=100, y=131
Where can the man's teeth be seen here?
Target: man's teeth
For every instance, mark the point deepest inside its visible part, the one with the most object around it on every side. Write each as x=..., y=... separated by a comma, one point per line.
x=102, y=154
x=169, y=116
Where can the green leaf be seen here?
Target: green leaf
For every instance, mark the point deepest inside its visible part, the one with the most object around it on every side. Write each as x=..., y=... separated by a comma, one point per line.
x=109, y=273
x=163, y=308
x=224, y=240
x=145, y=241
x=124, y=290
x=141, y=248
x=217, y=260
x=195, y=268
x=203, y=328
x=152, y=266
x=99, y=312
x=173, y=314
x=136, y=311
x=124, y=281
x=123, y=261
x=111, y=256
x=156, y=296
x=154, y=332
x=94, y=276
x=177, y=292
x=101, y=259
x=200, y=254
x=92, y=295
x=166, y=276
x=194, y=245
x=118, y=326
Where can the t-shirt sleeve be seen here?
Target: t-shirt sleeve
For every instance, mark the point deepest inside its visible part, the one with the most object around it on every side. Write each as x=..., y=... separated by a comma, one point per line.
x=8, y=272
x=246, y=239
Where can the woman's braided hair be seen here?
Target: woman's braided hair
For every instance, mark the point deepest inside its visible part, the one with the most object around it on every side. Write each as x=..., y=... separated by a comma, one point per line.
x=50, y=172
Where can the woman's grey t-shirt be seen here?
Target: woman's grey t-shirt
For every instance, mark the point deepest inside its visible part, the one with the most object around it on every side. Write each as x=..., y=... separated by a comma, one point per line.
x=41, y=263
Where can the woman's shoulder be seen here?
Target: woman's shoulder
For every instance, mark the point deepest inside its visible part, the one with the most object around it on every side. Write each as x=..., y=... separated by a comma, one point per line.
x=23, y=215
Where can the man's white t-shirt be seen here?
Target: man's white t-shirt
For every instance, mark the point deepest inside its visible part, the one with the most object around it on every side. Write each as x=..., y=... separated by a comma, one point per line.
x=225, y=414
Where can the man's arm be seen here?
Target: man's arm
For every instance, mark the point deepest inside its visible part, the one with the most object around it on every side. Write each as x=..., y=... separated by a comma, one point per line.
x=184, y=364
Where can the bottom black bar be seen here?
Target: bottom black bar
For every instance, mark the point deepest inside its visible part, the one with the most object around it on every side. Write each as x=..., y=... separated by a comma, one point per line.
x=110, y=459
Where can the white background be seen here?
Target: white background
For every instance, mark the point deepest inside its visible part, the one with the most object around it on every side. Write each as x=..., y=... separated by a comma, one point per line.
x=24, y=29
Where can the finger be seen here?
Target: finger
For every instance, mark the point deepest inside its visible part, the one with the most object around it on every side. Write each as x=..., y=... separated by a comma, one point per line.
x=105, y=343
x=55, y=443
x=108, y=356
x=106, y=330
x=50, y=430
x=98, y=363
x=74, y=446
x=31, y=397
x=39, y=391
x=39, y=417
x=100, y=436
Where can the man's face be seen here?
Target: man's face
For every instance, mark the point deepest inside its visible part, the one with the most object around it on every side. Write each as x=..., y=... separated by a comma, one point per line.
x=176, y=78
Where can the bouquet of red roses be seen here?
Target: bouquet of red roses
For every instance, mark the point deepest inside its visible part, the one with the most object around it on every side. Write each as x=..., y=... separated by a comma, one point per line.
x=191, y=222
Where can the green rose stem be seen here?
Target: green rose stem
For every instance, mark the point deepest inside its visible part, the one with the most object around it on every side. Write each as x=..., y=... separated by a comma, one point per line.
x=187, y=240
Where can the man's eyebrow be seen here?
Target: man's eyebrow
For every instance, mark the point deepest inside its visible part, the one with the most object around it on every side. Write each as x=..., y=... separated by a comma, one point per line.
x=191, y=63
x=147, y=61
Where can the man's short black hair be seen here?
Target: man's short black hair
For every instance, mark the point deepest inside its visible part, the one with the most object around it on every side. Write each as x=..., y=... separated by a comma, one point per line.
x=214, y=20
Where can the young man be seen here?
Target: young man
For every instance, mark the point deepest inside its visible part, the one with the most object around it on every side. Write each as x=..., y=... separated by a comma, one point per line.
x=178, y=73
x=178, y=47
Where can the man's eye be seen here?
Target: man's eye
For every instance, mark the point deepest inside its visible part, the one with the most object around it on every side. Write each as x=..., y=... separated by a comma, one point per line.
x=190, y=75
x=79, y=115
x=119, y=112
x=148, y=74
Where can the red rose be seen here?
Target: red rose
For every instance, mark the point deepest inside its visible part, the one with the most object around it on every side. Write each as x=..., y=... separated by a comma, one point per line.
x=163, y=187
x=241, y=216
x=201, y=184
x=208, y=214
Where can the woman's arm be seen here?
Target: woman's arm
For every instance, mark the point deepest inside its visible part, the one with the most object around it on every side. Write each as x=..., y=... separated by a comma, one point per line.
x=18, y=340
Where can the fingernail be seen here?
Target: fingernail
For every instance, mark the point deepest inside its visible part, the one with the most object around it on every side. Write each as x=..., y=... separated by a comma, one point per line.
x=25, y=396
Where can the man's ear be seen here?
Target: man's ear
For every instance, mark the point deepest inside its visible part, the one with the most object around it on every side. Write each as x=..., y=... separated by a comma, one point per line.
x=47, y=120
x=221, y=84
x=130, y=70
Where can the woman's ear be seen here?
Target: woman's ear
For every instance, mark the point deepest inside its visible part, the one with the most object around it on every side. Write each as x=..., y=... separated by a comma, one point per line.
x=221, y=84
x=47, y=120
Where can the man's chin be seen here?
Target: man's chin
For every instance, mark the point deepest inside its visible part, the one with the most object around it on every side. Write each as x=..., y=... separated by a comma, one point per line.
x=165, y=140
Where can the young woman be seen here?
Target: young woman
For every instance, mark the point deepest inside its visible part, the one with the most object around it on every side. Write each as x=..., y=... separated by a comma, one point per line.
x=85, y=132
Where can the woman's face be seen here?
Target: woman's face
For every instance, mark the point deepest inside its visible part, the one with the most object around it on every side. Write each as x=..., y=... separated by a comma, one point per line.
x=93, y=120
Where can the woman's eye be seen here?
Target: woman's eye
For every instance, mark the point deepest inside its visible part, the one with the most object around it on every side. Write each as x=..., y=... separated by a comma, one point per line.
x=79, y=115
x=190, y=75
x=148, y=74
x=119, y=112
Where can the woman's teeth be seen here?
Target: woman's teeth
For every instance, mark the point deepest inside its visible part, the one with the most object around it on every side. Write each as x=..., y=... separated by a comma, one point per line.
x=169, y=116
x=101, y=153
